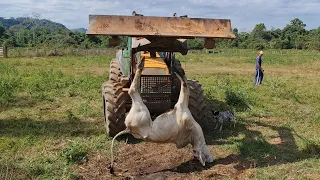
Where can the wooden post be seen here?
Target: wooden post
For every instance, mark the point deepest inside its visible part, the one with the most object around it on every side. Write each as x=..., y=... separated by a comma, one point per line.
x=5, y=52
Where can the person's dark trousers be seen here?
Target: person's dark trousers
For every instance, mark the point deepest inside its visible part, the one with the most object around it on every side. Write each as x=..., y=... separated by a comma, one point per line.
x=259, y=77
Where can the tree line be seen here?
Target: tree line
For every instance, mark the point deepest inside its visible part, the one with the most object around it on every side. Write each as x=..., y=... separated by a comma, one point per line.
x=32, y=32
x=292, y=36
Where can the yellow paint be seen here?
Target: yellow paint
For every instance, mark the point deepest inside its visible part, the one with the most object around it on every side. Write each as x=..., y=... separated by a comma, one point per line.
x=154, y=62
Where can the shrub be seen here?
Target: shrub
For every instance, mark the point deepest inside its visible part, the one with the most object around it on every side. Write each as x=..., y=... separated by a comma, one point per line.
x=237, y=98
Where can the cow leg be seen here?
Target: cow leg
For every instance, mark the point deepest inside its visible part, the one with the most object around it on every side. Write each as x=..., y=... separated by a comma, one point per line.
x=134, y=90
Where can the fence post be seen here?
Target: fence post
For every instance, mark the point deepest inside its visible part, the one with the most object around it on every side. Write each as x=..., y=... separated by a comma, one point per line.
x=5, y=52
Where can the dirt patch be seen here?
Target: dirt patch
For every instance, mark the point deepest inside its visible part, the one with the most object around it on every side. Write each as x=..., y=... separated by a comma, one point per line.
x=161, y=161
x=276, y=140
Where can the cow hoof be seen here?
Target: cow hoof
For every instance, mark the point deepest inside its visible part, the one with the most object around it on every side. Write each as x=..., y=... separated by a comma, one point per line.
x=110, y=168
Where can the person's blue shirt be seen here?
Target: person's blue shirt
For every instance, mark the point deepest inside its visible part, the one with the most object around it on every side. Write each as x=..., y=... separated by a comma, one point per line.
x=258, y=61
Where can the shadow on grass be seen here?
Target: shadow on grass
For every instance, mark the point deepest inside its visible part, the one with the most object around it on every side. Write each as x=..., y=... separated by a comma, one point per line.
x=208, y=126
x=234, y=101
x=22, y=127
x=18, y=102
x=255, y=150
x=237, y=101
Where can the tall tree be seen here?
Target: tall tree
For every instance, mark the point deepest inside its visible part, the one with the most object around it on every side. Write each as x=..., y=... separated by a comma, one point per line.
x=2, y=30
x=294, y=32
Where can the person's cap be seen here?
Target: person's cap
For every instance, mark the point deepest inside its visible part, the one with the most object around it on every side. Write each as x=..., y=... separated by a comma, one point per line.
x=261, y=52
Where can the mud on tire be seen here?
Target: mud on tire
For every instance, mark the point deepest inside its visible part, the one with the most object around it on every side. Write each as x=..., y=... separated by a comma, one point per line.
x=114, y=101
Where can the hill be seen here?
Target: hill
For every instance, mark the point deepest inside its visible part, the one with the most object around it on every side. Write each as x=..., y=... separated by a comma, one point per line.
x=82, y=30
x=29, y=23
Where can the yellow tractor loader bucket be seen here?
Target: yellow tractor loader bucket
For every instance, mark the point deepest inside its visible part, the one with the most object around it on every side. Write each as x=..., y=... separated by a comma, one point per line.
x=144, y=26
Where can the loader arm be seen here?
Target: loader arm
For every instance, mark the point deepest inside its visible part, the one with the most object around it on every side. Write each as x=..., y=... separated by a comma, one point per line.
x=144, y=26
x=155, y=39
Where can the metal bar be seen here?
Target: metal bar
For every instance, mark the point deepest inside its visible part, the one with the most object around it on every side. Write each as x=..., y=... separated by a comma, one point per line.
x=143, y=26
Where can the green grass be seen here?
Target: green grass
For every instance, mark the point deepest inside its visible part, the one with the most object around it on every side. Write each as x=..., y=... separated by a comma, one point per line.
x=286, y=106
x=51, y=115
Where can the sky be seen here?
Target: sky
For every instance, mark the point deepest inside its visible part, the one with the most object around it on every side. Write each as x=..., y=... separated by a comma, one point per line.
x=244, y=14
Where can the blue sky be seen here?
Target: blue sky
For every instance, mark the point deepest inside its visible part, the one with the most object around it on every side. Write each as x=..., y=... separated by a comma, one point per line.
x=244, y=14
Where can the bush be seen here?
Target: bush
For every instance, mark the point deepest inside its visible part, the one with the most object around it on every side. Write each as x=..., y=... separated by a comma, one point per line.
x=237, y=98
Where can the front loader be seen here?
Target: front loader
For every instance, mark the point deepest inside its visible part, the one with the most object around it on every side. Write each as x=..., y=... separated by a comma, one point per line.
x=156, y=39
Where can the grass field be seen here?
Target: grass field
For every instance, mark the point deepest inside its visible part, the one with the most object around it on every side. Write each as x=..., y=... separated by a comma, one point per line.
x=51, y=118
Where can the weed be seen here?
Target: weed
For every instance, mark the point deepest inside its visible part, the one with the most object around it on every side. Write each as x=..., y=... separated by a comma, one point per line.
x=75, y=153
x=9, y=82
x=72, y=176
x=238, y=99
x=71, y=117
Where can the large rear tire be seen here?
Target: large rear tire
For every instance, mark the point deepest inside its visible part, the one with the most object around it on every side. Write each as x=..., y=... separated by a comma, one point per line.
x=197, y=102
x=114, y=101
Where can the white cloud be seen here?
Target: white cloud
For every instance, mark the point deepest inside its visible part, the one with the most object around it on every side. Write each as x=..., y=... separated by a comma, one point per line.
x=244, y=14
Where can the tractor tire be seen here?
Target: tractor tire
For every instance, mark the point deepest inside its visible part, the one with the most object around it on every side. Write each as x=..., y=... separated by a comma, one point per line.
x=114, y=101
x=178, y=67
x=197, y=102
x=115, y=72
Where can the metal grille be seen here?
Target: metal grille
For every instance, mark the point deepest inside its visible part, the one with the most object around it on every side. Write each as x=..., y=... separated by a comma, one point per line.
x=155, y=84
x=156, y=92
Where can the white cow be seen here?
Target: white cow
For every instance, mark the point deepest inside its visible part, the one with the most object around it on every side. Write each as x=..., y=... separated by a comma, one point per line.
x=175, y=126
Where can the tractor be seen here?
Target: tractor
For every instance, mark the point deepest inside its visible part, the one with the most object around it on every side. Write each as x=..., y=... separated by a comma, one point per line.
x=156, y=39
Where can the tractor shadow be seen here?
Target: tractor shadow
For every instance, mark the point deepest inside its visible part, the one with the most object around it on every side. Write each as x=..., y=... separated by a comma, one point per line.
x=28, y=127
x=209, y=124
x=21, y=102
x=254, y=149
x=234, y=102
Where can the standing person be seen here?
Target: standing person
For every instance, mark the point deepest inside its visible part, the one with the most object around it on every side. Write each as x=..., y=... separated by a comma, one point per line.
x=259, y=71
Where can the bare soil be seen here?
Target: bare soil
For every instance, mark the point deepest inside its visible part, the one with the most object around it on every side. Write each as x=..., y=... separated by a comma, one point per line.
x=162, y=161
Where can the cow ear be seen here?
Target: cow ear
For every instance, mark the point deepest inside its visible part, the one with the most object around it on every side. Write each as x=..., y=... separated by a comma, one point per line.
x=202, y=158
